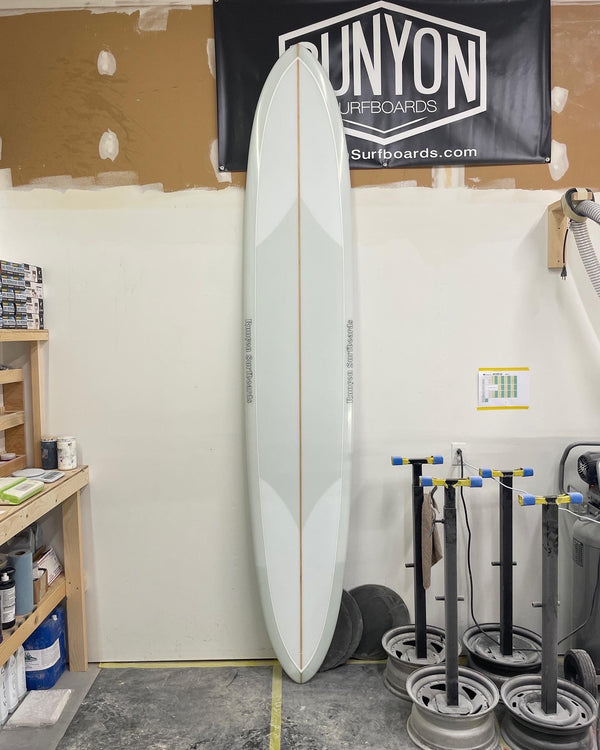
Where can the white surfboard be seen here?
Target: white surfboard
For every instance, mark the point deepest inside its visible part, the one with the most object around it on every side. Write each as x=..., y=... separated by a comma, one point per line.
x=298, y=357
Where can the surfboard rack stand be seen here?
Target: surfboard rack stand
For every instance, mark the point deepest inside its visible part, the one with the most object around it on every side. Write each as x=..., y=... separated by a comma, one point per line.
x=452, y=707
x=542, y=711
x=410, y=647
x=502, y=650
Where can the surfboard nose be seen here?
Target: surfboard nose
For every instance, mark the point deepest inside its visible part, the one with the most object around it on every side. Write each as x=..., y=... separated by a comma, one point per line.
x=303, y=675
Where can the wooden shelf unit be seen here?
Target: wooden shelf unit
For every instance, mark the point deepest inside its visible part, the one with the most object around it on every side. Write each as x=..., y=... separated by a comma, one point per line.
x=13, y=420
x=65, y=493
x=20, y=334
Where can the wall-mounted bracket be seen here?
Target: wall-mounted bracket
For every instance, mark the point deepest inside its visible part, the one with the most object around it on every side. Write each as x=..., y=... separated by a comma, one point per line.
x=558, y=222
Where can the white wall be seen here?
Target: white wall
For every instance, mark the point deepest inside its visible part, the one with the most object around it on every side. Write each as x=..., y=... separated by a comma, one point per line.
x=143, y=296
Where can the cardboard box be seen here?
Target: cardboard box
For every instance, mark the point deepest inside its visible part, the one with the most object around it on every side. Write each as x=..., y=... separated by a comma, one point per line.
x=34, y=289
x=45, y=558
x=32, y=273
x=27, y=321
x=7, y=266
x=40, y=584
x=31, y=307
x=12, y=280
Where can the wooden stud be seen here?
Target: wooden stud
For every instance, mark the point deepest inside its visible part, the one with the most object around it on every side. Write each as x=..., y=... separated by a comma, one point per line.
x=76, y=623
x=11, y=376
x=11, y=419
x=35, y=360
x=14, y=406
x=557, y=226
x=13, y=396
x=7, y=467
x=14, y=441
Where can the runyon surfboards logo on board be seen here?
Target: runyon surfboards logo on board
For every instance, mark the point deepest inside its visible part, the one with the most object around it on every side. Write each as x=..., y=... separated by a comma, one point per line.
x=406, y=71
x=418, y=82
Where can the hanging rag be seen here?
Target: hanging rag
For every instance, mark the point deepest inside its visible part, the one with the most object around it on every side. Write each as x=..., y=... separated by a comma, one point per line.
x=430, y=538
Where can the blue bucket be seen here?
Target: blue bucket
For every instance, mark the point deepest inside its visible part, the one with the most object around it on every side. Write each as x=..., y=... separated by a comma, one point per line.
x=45, y=652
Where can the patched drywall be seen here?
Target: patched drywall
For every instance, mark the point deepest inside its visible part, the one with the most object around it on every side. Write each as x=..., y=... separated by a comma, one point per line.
x=142, y=76
x=147, y=76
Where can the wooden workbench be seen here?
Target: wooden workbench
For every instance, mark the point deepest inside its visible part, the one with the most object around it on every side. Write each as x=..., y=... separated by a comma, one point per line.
x=69, y=585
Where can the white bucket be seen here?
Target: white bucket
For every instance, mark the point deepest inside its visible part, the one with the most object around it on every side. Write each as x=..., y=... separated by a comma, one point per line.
x=66, y=448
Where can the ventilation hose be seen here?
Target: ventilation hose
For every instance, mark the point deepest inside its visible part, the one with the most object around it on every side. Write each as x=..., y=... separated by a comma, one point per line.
x=590, y=210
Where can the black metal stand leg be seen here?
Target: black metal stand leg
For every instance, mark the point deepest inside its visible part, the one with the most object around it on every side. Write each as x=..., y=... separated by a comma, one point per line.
x=451, y=596
x=506, y=567
x=419, y=589
x=549, y=607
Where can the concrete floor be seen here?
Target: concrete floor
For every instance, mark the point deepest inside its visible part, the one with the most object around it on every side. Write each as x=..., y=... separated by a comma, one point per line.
x=239, y=706
x=49, y=737
x=222, y=706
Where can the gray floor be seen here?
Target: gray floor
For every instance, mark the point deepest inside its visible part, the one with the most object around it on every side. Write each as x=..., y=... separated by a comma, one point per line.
x=347, y=708
x=174, y=709
x=237, y=707
x=221, y=708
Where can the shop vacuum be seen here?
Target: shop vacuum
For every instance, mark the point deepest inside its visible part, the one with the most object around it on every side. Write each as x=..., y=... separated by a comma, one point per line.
x=582, y=663
x=586, y=562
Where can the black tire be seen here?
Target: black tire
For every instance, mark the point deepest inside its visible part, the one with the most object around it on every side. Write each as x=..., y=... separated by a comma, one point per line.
x=348, y=632
x=579, y=668
x=357, y=624
x=382, y=609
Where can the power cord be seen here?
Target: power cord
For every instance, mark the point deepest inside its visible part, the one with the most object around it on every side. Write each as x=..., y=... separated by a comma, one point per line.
x=563, y=273
x=469, y=567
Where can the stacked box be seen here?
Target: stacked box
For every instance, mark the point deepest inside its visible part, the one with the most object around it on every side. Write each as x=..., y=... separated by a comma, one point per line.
x=21, y=296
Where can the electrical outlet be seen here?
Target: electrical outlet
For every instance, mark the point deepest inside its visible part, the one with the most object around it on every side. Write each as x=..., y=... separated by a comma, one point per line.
x=454, y=448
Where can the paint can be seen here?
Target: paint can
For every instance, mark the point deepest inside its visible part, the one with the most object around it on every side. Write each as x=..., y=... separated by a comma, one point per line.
x=66, y=448
x=49, y=451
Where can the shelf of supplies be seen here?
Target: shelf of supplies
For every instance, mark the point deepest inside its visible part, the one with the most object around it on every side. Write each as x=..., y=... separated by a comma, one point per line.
x=63, y=494
x=20, y=334
x=25, y=626
x=7, y=467
x=14, y=518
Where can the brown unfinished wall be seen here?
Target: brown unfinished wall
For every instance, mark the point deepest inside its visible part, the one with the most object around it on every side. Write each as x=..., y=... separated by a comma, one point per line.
x=161, y=105
x=55, y=105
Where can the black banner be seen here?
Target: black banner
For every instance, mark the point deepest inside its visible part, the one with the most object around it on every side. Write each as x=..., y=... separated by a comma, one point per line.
x=450, y=82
